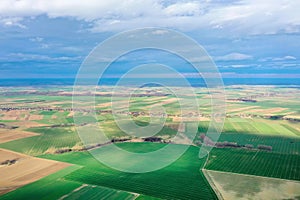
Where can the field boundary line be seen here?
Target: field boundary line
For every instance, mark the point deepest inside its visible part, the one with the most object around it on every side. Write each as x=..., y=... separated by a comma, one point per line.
x=75, y=190
x=136, y=195
x=209, y=179
x=212, y=184
x=250, y=175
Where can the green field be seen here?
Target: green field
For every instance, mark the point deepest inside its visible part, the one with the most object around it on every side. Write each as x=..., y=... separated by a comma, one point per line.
x=55, y=186
x=260, y=163
x=49, y=137
x=257, y=126
x=96, y=192
x=182, y=179
x=280, y=144
x=255, y=123
x=50, y=187
x=283, y=136
x=239, y=186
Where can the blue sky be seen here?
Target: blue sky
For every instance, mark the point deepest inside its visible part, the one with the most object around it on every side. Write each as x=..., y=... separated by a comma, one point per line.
x=246, y=38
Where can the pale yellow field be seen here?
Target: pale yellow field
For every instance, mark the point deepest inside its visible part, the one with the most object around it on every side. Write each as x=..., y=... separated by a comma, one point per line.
x=26, y=170
x=230, y=186
x=23, y=115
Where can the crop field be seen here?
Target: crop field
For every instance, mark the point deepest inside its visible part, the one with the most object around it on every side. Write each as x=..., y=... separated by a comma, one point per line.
x=184, y=170
x=259, y=163
x=239, y=186
x=260, y=126
x=257, y=126
x=96, y=192
x=22, y=169
x=6, y=136
x=279, y=144
x=50, y=187
x=39, y=122
x=41, y=139
x=282, y=136
x=48, y=138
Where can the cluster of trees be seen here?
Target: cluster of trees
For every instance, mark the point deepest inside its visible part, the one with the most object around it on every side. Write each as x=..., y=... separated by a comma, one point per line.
x=7, y=126
x=119, y=139
x=65, y=150
x=148, y=139
x=227, y=144
x=243, y=100
x=264, y=147
x=207, y=141
x=9, y=162
x=153, y=139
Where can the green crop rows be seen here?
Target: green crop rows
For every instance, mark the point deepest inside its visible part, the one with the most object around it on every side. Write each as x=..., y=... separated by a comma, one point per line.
x=50, y=187
x=49, y=137
x=283, y=145
x=180, y=180
x=93, y=192
x=260, y=163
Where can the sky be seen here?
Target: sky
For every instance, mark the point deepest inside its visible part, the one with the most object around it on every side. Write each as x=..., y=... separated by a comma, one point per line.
x=245, y=38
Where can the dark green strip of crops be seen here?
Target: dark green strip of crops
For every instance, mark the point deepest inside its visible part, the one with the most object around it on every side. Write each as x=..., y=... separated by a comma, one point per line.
x=259, y=163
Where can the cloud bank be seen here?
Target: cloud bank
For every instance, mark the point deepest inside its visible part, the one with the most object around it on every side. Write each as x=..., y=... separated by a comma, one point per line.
x=234, y=17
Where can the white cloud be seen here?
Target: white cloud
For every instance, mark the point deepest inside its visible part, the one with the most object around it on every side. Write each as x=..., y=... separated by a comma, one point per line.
x=290, y=65
x=284, y=58
x=241, y=66
x=12, y=21
x=36, y=39
x=37, y=57
x=87, y=10
x=240, y=17
x=183, y=9
x=159, y=32
x=233, y=57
